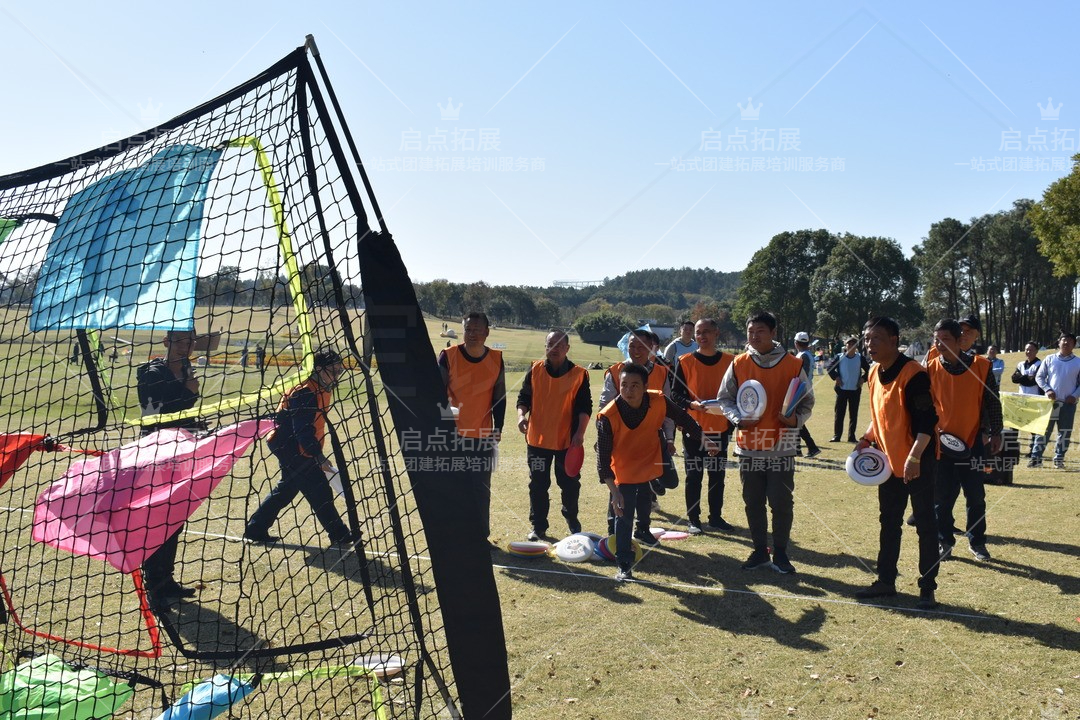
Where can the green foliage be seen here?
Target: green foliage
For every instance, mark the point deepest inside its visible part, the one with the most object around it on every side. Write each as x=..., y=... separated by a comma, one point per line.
x=778, y=279
x=864, y=277
x=1056, y=219
x=603, y=328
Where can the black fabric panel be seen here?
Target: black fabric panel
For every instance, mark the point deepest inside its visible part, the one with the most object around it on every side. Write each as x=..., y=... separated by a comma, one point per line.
x=460, y=555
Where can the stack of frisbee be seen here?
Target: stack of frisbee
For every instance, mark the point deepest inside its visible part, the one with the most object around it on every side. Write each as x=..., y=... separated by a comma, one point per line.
x=795, y=393
x=527, y=549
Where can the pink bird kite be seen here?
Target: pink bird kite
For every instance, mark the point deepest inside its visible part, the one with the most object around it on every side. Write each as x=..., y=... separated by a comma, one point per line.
x=122, y=506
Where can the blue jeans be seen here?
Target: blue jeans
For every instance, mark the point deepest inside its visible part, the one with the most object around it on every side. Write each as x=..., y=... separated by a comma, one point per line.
x=1064, y=415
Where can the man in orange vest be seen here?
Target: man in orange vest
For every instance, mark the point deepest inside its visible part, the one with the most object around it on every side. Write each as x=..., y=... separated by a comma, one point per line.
x=297, y=442
x=967, y=404
x=629, y=455
x=641, y=349
x=766, y=444
x=902, y=424
x=697, y=378
x=553, y=407
x=476, y=385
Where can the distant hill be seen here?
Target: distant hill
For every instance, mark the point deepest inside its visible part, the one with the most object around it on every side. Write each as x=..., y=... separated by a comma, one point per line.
x=676, y=287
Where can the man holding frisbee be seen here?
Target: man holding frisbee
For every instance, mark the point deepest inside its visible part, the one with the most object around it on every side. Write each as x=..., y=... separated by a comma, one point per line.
x=553, y=405
x=765, y=443
x=902, y=423
x=968, y=409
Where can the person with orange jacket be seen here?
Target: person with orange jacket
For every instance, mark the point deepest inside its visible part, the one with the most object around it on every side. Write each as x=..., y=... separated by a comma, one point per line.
x=475, y=382
x=902, y=425
x=629, y=454
x=297, y=442
x=554, y=406
x=968, y=408
x=642, y=348
x=697, y=378
x=766, y=444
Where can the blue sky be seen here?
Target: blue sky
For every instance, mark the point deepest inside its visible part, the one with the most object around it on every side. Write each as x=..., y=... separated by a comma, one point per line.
x=884, y=107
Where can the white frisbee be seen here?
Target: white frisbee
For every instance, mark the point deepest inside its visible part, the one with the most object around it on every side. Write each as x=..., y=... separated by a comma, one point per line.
x=383, y=665
x=953, y=447
x=751, y=400
x=675, y=535
x=574, y=549
x=869, y=467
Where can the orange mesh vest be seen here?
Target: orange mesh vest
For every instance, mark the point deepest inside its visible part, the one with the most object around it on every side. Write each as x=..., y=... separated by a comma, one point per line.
x=767, y=432
x=703, y=383
x=471, y=384
x=552, y=406
x=958, y=398
x=322, y=400
x=657, y=376
x=892, y=424
x=635, y=453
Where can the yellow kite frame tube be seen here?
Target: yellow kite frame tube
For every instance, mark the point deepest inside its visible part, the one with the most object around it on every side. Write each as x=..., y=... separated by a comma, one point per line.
x=292, y=271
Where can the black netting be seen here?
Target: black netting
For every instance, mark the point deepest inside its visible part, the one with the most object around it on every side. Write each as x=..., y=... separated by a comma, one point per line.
x=235, y=223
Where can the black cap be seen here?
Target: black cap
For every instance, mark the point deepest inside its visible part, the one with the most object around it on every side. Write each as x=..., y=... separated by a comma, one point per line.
x=972, y=322
x=327, y=358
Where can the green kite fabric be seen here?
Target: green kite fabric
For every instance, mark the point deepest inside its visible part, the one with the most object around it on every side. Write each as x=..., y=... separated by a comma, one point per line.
x=6, y=226
x=125, y=252
x=46, y=688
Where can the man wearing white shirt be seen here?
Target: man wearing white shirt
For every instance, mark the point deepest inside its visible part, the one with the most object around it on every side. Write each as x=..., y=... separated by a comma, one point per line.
x=1059, y=378
x=681, y=345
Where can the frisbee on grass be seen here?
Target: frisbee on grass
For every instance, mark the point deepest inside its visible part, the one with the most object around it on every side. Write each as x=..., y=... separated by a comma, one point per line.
x=574, y=548
x=384, y=665
x=869, y=467
x=606, y=548
x=575, y=457
x=675, y=535
x=751, y=400
x=526, y=548
x=657, y=532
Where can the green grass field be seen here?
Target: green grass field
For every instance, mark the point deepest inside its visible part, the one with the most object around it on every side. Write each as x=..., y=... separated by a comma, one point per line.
x=696, y=636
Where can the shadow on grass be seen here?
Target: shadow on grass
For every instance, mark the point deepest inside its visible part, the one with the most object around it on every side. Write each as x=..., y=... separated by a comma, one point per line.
x=206, y=631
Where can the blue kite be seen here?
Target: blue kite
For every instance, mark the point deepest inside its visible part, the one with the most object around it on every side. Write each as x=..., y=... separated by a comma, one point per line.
x=125, y=251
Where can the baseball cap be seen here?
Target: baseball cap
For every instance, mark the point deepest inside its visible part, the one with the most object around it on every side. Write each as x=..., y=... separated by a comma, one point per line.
x=801, y=336
x=972, y=322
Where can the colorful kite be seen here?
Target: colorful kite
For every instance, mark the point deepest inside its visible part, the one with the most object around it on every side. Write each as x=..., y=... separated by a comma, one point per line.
x=122, y=506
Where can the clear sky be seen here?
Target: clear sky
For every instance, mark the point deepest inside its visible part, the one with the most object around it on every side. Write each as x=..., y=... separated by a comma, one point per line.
x=869, y=115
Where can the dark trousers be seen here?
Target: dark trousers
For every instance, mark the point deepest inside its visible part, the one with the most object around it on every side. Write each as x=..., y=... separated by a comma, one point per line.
x=643, y=510
x=697, y=463
x=540, y=461
x=624, y=526
x=481, y=482
x=300, y=474
x=952, y=477
x=893, y=497
x=772, y=480
x=158, y=568
x=846, y=400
